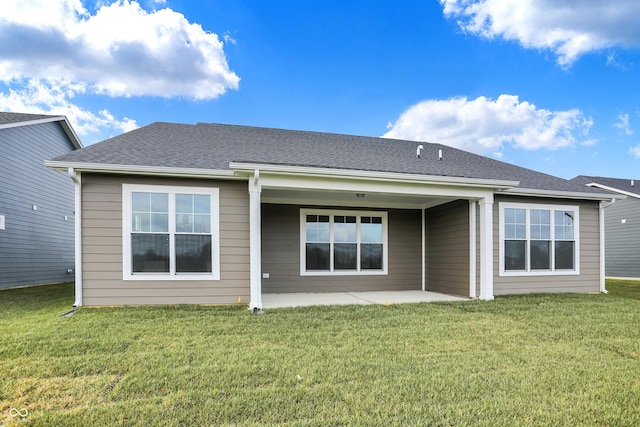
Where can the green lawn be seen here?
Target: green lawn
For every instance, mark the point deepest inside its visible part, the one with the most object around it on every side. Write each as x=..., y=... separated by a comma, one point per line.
x=522, y=360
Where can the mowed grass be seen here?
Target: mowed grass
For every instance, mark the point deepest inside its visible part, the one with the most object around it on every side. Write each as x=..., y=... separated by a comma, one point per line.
x=522, y=360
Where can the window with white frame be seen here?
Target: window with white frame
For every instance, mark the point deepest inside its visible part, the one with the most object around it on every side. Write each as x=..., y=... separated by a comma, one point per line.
x=538, y=239
x=343, y=242
x=170, y=233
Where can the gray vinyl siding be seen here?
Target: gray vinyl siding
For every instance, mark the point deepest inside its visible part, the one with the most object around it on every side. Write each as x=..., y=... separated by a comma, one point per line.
x=102, y=247
x=448, y=248
x=281, y=255
x=622, y=240
x=37, y=246
x=589, y=278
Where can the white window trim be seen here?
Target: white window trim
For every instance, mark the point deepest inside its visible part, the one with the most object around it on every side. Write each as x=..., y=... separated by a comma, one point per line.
x=385, y=245
x=550, y=207
x=128, y=189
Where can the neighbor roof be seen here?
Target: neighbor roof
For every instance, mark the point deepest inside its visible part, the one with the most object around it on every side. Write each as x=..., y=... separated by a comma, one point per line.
x=624, y=185
x=215, y=146
x=10, y=119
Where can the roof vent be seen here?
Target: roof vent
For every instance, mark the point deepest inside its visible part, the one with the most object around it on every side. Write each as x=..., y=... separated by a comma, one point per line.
x=439, y=154
x=633, y=183
x=419, y=150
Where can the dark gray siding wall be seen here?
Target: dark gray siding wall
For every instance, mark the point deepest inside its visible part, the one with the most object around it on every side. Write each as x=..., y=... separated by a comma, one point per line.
x=36, y=246
x=622, y=239
x=448, y=248
x=281, y=255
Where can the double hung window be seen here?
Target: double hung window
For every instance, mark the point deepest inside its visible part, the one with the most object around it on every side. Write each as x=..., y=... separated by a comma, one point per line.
x=170, y=233
x=538, y=239
x=343, y=242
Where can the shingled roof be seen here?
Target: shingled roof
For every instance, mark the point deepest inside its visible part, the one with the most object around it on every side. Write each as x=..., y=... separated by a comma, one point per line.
x=11, y=118
x=214, y=146
x=627, y=185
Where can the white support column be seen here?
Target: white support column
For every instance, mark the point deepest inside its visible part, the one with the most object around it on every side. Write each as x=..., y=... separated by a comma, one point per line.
x=255, y=304
x=77, y=180
x=486, y=248
x=472, y=249
x=603, y=289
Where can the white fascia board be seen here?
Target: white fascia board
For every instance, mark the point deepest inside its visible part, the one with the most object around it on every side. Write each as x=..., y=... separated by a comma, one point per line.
x=320, y=172
x=370, y=186
x=559, y=194
x=424, y=203
x=71, y=133
x=66, y=126
x=32, y=122
x=144, y=170
x=614, y=190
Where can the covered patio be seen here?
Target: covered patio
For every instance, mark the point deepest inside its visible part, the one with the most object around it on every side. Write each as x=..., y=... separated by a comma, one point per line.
x=281, y=300
x=435, y=234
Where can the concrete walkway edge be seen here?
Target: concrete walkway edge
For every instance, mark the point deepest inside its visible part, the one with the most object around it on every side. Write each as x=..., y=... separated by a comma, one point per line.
x=279, y=300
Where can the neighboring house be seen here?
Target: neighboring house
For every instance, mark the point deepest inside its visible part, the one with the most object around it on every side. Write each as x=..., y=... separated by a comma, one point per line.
x=621, y=223
x=36, y=203
x=207, y=213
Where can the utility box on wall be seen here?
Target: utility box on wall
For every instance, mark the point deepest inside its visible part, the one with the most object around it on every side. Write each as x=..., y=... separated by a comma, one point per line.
x=2, y=221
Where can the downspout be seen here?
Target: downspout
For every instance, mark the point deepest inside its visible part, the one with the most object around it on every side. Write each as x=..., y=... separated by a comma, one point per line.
x=76, y=178
x=603, y=206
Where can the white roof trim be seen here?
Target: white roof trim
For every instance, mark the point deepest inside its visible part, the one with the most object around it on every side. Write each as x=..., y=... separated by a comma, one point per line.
x=143, y=170
x=71, y=133
x=560, y=194
x=32, y=122
x=614, y=190
x=66, y=126
x=372, y=175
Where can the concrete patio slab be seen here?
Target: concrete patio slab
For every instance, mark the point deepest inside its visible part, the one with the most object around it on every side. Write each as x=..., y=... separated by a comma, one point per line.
x=347, y=298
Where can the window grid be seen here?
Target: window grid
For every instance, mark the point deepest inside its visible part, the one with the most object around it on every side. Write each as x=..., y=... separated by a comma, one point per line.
x=549, y=242
x=347, y=242
x=187, y=247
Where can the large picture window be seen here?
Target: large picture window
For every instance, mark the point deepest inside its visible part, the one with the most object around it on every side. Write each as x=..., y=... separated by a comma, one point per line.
x=170, y=233
x=538, y=239
x=343, y=242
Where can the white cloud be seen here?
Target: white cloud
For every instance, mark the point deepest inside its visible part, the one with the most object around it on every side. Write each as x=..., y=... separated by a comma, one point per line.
x=589, y=142
x=54, y=98
x=483, y=125
x=569, y=29
x=623, y=124
x=122, y=50
x=228, y=38
x=53, y=50
x=635, y=151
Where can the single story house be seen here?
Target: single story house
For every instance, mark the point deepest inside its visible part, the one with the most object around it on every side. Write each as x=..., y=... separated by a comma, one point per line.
x=210, y=214
x=36, y=203
x=621, y=225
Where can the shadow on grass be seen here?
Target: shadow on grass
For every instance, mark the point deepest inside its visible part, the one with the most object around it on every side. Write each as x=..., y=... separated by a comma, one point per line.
x=38, y=297
x=629, y=289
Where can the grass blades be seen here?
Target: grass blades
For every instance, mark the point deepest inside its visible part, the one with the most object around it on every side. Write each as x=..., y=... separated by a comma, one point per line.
x=547, y=359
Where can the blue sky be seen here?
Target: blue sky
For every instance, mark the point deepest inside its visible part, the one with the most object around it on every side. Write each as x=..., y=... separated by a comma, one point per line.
x=549, y=85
